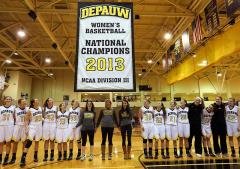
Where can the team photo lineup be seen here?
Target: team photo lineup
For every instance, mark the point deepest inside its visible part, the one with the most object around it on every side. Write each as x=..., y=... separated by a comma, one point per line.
x=174, y=122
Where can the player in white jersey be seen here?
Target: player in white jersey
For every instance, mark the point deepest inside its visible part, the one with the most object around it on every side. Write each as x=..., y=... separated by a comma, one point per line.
x=62, y=130
x=206, y=130
x=171, y=128
x=19, y=132
x=146, y=116
x=233, y=125
x=34, y=118
x=49, y=127
x=183, y=127
x=159, y=117
x=6, y=127
x=74, y=134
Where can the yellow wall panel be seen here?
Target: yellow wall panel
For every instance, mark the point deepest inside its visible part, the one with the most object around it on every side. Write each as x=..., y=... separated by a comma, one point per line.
x=214, y=50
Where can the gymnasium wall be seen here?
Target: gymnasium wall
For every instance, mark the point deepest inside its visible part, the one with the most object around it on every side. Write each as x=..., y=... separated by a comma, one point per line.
x=18, y=83
x=63, y=84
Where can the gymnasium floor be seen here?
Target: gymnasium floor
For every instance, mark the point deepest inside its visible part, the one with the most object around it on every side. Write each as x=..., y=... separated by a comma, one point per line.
x=137, y=161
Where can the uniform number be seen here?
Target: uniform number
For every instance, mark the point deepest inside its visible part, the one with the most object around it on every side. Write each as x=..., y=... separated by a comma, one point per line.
x=102, y=64
x=6, y=117
x=50, y=117
x=73, y=118
x=22, y=118
x=62, y=121
x=38, y=118
x=159, y=120
x=183, y=117
x=173, y=119
x=148, y=117
x=231, y=117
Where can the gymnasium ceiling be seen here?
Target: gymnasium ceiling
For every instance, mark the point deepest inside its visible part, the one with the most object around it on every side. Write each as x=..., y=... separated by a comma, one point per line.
x=56, y=21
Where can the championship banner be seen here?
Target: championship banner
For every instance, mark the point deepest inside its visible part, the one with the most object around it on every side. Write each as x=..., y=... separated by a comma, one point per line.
x=177, y=49
x=232, y=6
x=105, y=50
x=186, y=41
x=211, y=13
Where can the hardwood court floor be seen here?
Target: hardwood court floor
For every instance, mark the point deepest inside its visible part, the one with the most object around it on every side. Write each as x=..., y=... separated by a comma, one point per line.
x=137, y=161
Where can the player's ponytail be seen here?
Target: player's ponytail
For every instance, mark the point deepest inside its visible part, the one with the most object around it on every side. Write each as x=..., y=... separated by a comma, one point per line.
x=46, y=103
x=31, y=103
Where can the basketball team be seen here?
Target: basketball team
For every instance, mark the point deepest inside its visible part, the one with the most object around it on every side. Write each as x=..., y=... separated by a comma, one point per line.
x=177, y=123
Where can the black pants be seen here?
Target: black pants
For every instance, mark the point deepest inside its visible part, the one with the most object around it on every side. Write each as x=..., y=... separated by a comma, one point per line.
x=126, y=130
x=90, y=134
x=223, y=137
x=195, y=131
x=107, y=131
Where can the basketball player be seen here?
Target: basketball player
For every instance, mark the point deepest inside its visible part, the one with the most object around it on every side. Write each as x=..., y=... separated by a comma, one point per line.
x=146, y=116
x=62, y=130
x=107, y=118
x=87, y=120
x=125, y=121
x=183, y=127
x=74, y=114
x=19, y=132
x=232, y=121
x=207, y=131
x=49, y=128
x=6, y=127
x=159, y=117
x=171, y=128
x=34, y=118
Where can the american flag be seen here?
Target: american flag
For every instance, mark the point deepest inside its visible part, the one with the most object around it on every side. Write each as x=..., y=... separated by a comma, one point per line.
x=197, y=30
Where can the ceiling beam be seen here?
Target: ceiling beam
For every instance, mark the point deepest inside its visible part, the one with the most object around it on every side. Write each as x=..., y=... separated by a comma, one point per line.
x=51, y=35
x=14, y=48
x=180, y=7
x=18, y=64
x=8, y=27
x=34, y=68
x=74, y=12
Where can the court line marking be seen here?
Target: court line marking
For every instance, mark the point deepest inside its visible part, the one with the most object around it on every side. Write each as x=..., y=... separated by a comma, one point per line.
x=197, y=164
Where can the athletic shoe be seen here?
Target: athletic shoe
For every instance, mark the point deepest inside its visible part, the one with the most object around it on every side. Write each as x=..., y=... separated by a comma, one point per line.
x=156, y=156
x=189, y=155
x=225, y=155
x=70, y=157
x=5, y=162
x=199, y=155
x=150, y=156
x=91, y=157
x=35, y=160
x=12, y=161
x=103, y=157
x=180, y=156
x=163, y=156
x=233, y=155
x=212, y=155
x=176, y=156
x=22, y=163
x=206, y=154
x=83, y=157
x=110, y=156
x=52, y=158
x=45, y=159
x=167, y=156
x=78, y=157
x=146, y=156
x=218, y=154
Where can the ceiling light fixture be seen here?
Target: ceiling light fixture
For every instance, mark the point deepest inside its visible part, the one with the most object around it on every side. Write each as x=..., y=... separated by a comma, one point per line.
x=21, y=33
x=48, y=60
x=149, y=61
x=8, y=61
x=167, y=36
